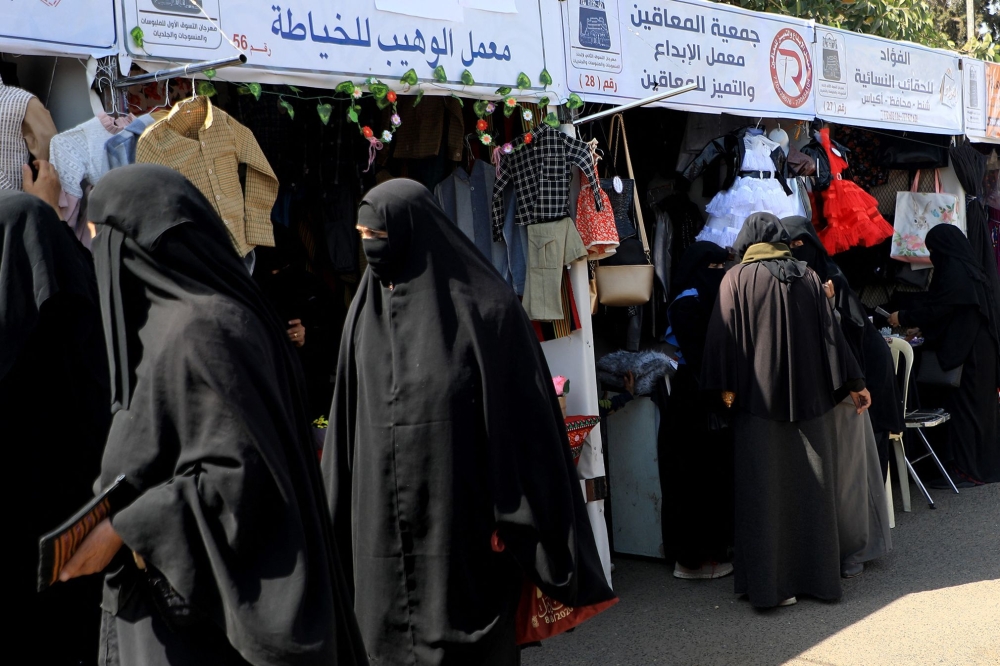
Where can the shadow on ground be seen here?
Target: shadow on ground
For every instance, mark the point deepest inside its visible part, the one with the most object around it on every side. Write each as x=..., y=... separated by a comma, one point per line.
x=662, y=620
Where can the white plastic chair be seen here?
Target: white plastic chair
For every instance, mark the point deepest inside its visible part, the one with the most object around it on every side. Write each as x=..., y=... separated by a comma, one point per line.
x=917, y=420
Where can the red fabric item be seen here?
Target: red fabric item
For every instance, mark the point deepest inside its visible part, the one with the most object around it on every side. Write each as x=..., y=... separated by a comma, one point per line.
x=577, y=429
x=597, y=227
x=852, y=216
x=540, y=617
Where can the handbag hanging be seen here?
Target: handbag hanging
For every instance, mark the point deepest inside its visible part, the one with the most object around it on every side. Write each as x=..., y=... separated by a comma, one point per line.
x=916, y=214
x=621, y=284
x=621, y=192
x=931, y=372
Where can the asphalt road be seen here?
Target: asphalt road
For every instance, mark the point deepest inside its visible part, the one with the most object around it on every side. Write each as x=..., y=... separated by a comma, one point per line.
x=935, y=599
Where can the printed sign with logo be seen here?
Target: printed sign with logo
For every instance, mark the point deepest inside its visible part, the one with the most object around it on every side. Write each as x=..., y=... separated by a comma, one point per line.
x=58, y=27
x=992, y=84
x=873, y=82
x=742, y=62
x=974, y=79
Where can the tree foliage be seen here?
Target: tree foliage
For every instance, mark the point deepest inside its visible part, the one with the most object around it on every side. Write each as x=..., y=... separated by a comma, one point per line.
x=936, y=23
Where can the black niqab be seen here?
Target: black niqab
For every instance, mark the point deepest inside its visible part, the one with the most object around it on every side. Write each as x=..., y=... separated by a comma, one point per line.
x=970, y=167
x=693, y=271
x=211, y=430
x=444, y=429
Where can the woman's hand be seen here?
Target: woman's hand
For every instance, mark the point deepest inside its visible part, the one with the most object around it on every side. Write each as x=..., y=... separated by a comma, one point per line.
x=297, y=332
x=862, y=400
x=893, y=319
x=913, y=333
x=629, y=381
x=829, y=289
x=94, y=554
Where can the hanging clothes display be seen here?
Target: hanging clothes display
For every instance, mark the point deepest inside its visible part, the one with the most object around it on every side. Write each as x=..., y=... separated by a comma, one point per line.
x=851, y=214
x=551, y=246
x=539, y=170
x=207, y=146
x=78, y=155
x=26, y=129
x=755, y=183
x=121, y=147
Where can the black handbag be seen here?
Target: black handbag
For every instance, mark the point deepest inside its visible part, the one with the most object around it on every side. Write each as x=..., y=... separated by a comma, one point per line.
x=931, y=372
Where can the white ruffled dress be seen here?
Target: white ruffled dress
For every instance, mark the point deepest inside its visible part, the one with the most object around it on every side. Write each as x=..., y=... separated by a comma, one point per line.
x=729, y=209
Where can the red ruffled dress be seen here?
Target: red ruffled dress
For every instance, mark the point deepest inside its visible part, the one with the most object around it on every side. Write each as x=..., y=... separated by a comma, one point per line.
x=852, y=216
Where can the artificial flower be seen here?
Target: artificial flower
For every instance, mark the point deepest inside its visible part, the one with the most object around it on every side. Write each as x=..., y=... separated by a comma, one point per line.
x=527, y=115
x=510, y=101
x=391, y=96
x=486, y=139
x=386, y=136
x=357, y=93
x=481, y=125
x=367, y=131
x=528, y=138
x=395, y=120
x=491, y=107
x=508, y=148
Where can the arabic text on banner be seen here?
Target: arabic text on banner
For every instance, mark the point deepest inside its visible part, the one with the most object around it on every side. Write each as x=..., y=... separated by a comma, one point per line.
x=974, y=80
x=742, y=62
x=59, y=28
x=353, y=39
x=873, y=82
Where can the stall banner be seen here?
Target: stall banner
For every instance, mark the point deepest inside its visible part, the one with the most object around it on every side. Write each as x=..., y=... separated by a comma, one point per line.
x=974, y=97
x=58, y=27
x=348, y=39
x=744, y=63
x=872, y=82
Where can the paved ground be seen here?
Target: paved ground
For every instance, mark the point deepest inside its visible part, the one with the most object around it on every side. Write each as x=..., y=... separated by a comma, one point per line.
x=934, y=600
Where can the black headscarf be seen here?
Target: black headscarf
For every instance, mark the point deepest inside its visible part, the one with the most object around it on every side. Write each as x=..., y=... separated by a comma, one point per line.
x=445, y=429
x=693, y=271
x=970, y=167
x=766, y=228
x=40, y=258
x=211, y=428
x=958, y=280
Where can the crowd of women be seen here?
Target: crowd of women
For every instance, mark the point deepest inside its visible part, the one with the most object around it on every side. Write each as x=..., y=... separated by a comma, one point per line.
x=445, y=481
x=789, y=394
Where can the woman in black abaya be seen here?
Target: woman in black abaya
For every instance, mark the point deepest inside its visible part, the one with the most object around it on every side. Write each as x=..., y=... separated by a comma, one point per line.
x=695, y=445
x=54, y=413
x=447, y=464
x=862, y=441
x=777, y=355
x=959, y=320
x=228, y=555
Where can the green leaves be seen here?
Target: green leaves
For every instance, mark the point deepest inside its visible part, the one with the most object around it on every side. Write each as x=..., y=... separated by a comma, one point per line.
x=552, y=120
x=255, y=90
x=543, y=101
x=439, y=74
x=137, y=36
x=210, y=74
x=346, y=88
x=467, y=78
x=286, y=105
x=523, y=81
x=294, y=89
x=378, y=89
x=205, y=88
x=574, y=101
x=545, y=78
x=420, y=97
x=509, y=104
x=503, y=90
x=410, y=78
x=480, y=108
x=324, y=111
x=352, y=114
x=460, y=102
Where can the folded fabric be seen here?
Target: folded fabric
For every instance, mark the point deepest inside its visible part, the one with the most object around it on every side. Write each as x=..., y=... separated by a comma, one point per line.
x=648, y=368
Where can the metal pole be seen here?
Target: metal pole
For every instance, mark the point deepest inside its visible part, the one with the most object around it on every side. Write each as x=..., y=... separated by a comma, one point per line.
x=639, y=102
x=180, y=72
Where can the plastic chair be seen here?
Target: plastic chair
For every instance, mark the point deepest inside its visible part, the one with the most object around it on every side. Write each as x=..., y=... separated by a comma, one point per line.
x=918, y=420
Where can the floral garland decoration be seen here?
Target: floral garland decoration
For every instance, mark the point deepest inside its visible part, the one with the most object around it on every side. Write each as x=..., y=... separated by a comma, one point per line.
x=384, y=97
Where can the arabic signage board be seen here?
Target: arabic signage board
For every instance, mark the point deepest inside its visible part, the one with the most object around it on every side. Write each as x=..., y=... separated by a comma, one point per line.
x=744, y=63
x=872, y=82
x=58, y=27
x=319, y=41
x=993, y=101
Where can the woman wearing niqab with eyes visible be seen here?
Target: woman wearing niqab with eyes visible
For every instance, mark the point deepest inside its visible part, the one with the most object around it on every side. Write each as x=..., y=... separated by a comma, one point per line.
x=226, y=556
x=776, y=354
x=960, y=320
x=447, y=463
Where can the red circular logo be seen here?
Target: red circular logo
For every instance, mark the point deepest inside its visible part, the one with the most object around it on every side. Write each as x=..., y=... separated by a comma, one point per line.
x=791, y=68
